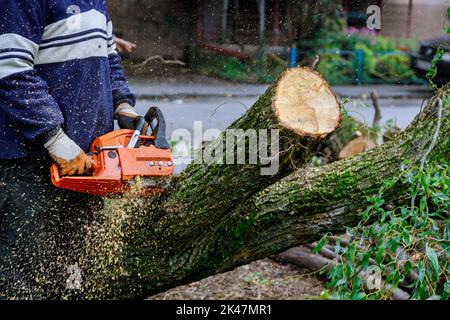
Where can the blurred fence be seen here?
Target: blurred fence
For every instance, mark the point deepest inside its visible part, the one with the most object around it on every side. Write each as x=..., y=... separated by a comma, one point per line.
x=359, y=58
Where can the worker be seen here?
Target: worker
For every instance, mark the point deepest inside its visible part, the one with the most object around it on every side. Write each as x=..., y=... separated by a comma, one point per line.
x=61, y=86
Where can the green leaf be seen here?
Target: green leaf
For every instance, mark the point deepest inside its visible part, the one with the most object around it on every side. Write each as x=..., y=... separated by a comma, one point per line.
x=403, y=165
x=408, y=267
x=423, y=180
x=389, y=278
x=383, y=215
x=356, y=286
x=422, y=291
x=423, y=204
x=335, y=275
x=393, y=244
x=434, y=262
x=446, y=247
x=366, y=213
x=379, y=255
x=406, y=237
x=397, y=279
x=431, y=73
x=348, y=270
x=421, y=268
x=365, y=261
x=320, y=245
x=403, y=227
x=359, y=296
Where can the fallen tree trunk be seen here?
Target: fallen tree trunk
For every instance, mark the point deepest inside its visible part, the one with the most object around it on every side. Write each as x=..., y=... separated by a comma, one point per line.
x=311, y=202
x=290, y=119
x=185, y=235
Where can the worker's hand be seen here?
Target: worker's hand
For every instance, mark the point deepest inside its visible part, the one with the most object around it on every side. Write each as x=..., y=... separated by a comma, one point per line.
x=69, y=157
x=124, y=45
x=127, y=117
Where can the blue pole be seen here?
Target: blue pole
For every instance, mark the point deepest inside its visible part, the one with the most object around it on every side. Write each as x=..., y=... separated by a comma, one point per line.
x=293, y=58
x=359, y=66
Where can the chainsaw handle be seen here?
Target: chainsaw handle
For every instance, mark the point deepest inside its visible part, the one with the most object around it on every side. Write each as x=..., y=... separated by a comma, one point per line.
x=140, y=123
x=158, y=130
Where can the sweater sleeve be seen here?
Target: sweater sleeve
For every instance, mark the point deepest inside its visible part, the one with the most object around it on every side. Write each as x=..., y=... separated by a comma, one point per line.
x=120, y=91
x=24, y=96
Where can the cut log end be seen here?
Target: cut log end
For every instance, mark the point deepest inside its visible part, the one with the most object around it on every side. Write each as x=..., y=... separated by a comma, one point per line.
x=305, y=104
x=356, y=146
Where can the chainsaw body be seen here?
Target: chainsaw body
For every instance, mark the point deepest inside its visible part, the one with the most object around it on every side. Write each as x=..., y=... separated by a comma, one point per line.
x=117, y=164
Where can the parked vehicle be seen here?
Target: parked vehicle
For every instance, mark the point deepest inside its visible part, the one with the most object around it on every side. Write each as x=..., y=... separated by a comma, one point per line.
x=421, y=60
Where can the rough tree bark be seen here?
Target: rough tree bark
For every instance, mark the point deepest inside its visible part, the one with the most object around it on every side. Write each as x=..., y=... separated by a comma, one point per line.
x=200, y=228
x=300, y=106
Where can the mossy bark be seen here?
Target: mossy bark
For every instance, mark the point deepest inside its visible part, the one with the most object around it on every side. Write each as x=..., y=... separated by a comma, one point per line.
x=205, y=226
x=217, y=188
x=206, y=192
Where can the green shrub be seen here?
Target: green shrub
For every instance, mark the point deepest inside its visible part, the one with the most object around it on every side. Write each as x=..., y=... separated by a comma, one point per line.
x=394, y=68
x=337, y=70
x=377, y=64
x=422, y=232
x=381, y=43
x=212, y=64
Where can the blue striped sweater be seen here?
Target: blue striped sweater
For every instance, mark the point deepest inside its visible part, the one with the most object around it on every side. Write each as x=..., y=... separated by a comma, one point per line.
x=58, y=68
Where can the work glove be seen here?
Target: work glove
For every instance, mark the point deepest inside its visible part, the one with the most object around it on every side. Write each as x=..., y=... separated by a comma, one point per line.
x=69, y=157
x=127, y=118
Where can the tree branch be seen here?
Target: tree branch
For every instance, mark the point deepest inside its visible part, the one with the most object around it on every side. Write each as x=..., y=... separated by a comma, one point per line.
x=161, y=59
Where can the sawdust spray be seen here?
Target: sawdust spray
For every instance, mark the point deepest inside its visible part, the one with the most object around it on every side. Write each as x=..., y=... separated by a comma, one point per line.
x=106, y=239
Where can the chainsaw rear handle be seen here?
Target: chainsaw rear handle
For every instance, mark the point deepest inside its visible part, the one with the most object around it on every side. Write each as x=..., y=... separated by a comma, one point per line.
x=140, y=123
x=158, y=130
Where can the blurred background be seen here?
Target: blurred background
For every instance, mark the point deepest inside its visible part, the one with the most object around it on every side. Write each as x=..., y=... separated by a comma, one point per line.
x=252, y=40
x=208, y=61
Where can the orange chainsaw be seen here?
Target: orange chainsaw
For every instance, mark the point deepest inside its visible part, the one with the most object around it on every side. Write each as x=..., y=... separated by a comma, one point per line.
x=121, y=156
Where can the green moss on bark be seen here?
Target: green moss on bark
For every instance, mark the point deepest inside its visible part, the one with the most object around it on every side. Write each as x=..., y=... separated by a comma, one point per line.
x=206, y=226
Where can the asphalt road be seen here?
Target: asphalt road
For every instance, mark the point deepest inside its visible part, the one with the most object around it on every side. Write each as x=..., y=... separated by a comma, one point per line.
x=219, y=112
x=216, y=103
x=200, y=86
